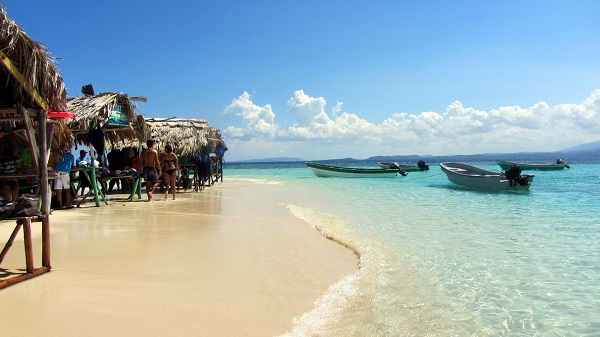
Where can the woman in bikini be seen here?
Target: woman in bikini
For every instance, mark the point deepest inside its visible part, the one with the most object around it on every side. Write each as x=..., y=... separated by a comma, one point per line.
x=170, y=164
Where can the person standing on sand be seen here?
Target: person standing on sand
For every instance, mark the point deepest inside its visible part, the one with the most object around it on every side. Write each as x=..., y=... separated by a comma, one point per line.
x=62, y=182
x=170, y=166
x=150, y=168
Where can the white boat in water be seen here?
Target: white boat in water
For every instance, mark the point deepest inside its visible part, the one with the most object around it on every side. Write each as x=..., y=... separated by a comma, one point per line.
x=323, y=170
x=474, y=177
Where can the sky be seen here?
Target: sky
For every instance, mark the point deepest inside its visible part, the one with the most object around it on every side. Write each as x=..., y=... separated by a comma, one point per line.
x=334, y=79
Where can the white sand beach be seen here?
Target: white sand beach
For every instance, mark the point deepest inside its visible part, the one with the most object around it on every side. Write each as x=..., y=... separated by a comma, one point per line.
x=228, y=261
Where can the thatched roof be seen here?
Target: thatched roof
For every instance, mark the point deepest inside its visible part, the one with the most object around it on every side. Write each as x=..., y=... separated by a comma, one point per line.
x=34, y=62
x=32, y=73
x=88, y=109
x=186, y=136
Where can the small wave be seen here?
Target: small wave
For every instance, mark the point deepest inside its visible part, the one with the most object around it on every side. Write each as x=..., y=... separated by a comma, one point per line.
x=254, y=180
x=328, y=309
x=329, y=226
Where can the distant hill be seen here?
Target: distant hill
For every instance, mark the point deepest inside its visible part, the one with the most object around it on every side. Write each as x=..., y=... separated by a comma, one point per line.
x=269, y=160
x=583, y=156
x=593, y=146
x=584, y=153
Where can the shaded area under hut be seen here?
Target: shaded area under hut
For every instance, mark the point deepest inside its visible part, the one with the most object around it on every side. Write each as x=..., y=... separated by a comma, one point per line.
x=199, y=146
x=32, y=106
x=103, y=122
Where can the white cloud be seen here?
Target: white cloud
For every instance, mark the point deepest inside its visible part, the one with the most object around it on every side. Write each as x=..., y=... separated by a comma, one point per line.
x=337, y=108
x=260, y=121
x=457, y=130
x=305, y=108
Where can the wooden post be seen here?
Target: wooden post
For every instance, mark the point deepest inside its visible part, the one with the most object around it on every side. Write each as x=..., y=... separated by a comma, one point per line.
x=28, y=244
x=221, y=167
x=93, y=180
x=46, y=242
x=45, y=189
x=33, y=146
x=43, y=163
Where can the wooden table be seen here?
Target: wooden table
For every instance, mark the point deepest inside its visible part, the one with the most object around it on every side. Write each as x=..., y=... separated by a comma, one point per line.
x=19, y=176
x=136, y=188
x=96, y=189
x=100, y=184
x=30, y=270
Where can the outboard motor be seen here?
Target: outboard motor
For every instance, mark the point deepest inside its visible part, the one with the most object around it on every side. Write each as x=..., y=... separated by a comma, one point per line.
x=513, y=174
x=402, y=172
x=421, y=164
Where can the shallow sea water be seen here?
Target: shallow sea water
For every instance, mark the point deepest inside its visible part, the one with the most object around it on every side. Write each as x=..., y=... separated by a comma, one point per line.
x=441, y=260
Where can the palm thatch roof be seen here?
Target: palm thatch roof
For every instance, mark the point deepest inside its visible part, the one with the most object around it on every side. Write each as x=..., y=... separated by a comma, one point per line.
x=34, y=62
x=98, y=109
x=28, y=80
x=186, y=136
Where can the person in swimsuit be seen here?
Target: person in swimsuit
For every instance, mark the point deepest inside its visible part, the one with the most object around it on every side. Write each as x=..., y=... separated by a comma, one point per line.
x=150, y=168
x=170, y=164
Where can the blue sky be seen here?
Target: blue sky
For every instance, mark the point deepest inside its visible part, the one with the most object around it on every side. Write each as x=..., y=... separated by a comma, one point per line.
x=333, y=79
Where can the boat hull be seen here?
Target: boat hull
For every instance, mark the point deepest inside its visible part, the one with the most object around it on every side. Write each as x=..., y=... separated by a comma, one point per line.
x=326, y=171
x=474, y=177
x=505, y=165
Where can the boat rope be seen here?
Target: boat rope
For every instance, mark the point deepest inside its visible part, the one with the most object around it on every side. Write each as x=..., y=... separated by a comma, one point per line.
x=421, y=178
x=282, y=172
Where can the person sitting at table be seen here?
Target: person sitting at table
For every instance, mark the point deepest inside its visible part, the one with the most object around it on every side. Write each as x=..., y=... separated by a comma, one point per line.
x=186, y=182
x=84, y=182
x=81, y=159
x=134, y=158
x=62, y=183
x=170, y=164
x=116, y=162
x=8, y=165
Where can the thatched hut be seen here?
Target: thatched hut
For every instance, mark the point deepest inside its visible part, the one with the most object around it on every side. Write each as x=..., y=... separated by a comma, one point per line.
x=190, y=139
x=29, y=83
x=187, y=136
x=31, y=90
x=114, y=113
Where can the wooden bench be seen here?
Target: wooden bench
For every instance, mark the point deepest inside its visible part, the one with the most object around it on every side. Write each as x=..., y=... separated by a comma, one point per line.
x=30, y=270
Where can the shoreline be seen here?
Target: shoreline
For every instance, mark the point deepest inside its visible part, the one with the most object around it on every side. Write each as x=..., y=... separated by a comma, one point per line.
x=230, y=260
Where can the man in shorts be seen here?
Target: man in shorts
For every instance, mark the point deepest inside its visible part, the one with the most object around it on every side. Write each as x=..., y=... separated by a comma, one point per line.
x=150, y=168
x=62, y=183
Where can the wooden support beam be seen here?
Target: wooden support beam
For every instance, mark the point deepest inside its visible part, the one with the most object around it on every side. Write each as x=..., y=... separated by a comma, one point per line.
x=23, y=81
x=23, y=277
x=33, y=144
x=28, y=245
x=8, y=110
x=46, y=242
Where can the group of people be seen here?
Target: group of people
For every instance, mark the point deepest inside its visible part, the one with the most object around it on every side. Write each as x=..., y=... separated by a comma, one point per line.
x=150, y=163
x=153, y=167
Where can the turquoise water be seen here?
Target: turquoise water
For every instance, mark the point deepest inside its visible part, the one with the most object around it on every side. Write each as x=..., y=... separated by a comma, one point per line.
x=441, y=260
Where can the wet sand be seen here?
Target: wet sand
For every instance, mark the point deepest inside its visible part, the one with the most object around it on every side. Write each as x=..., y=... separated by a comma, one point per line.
x=228, y=261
